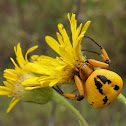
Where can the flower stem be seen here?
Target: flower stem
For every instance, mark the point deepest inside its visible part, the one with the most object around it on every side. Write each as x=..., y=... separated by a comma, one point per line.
x=46, y=94
x=122, y=98
x=60, y=99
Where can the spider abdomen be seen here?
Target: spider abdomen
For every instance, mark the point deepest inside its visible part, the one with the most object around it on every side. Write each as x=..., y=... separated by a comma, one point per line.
x=102, y=87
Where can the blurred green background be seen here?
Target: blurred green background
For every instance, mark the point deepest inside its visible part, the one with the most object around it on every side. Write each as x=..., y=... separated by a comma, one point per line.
x=28, y=21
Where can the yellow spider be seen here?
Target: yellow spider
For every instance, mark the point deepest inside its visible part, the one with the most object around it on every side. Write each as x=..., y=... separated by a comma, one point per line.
x=101, y=86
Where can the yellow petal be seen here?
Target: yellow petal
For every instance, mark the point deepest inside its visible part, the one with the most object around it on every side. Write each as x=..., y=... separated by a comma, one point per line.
x=30, y=50
x=68, y=16
x=73, y=24
x=12, y=104
x=60, y=39
x=53, y=82
x=66, y=55
x=34, y=57
x=65, y=37
x=39, y=68
x=86, y=26
x=31, y=81
x=10, y=73
x=31, y=88
x=10, y=77
x=14, y=62
x=19, y=55
x=4, y=93
x=45, y=59
x=52, y=43
x=76, y=34
x=3, y=88
x=7, y=84
x=45, y=78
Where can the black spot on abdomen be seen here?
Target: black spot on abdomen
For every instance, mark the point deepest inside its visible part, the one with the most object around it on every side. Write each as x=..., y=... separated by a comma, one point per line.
x=116, y=87
x=98, y=85
x=105, y=100
x=92, y=104
x=104, y=79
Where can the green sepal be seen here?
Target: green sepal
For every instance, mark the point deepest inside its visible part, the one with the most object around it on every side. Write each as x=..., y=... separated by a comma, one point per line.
x=40, y=95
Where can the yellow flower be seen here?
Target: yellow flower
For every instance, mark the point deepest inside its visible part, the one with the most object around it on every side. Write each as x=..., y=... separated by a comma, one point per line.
x=69, y=51
x=59, y=70
x=14, y=77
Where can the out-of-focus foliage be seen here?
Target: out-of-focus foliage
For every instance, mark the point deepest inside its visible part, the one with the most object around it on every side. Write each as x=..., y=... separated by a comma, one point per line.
x=28, y=21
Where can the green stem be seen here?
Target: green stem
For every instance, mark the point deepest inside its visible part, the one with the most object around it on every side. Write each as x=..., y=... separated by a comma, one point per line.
x=46, y=94
x=122, y=98
x=60, y=99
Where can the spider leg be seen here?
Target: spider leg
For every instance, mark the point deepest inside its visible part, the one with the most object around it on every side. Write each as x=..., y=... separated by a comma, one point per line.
x=104, y=54
x=80, y=87
x=58, y=89
x=98, y=53
x=95, y=63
